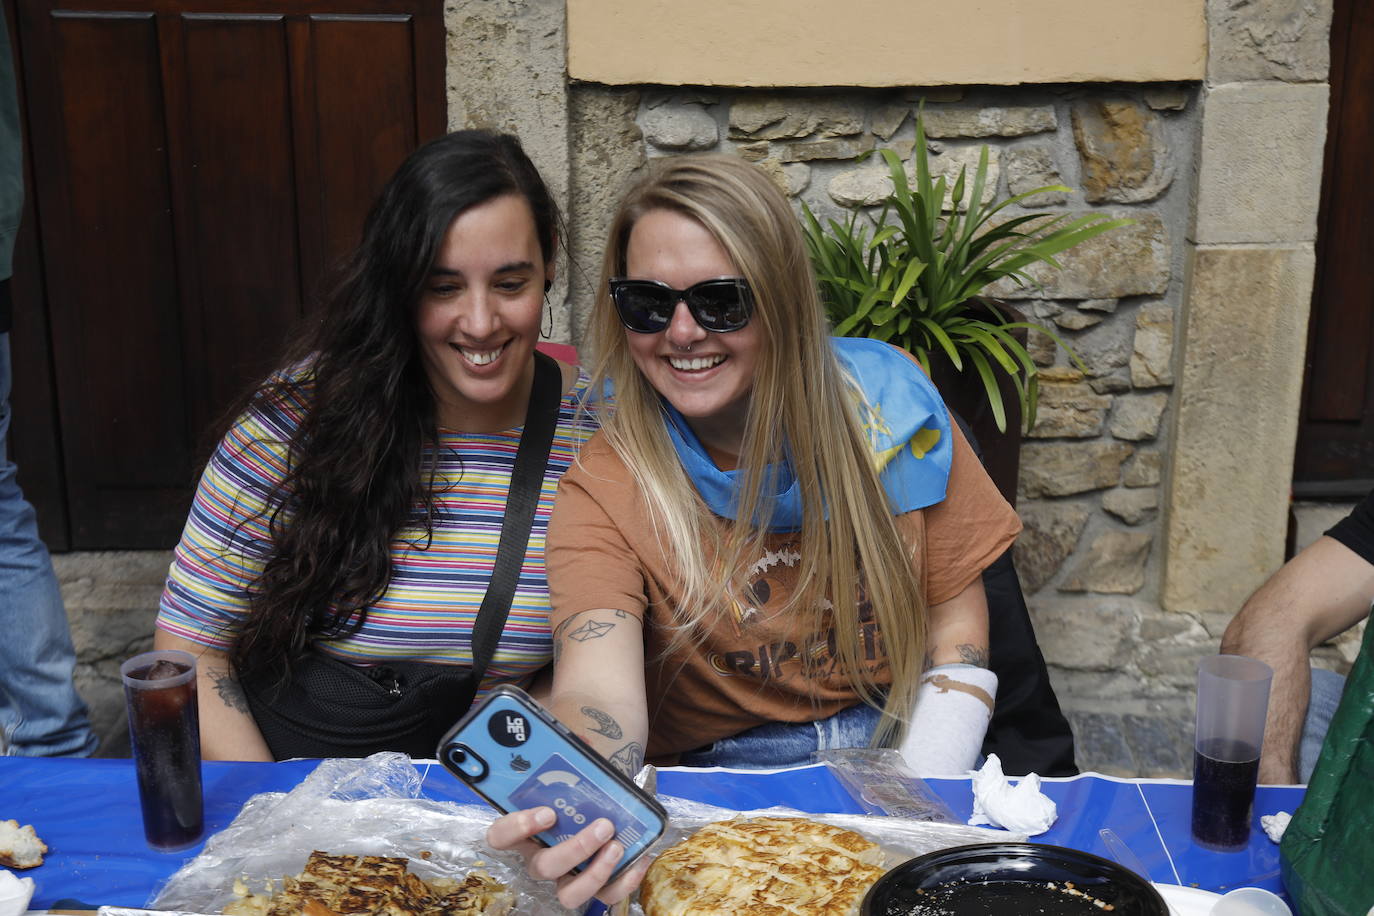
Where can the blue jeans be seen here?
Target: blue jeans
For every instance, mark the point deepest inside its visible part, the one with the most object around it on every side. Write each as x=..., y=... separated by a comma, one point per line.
x=40, y=709
x=784, y=744
x=1327, y=687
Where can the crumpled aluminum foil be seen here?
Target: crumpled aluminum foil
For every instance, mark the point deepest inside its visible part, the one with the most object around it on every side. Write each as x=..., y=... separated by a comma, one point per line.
x=372, y=807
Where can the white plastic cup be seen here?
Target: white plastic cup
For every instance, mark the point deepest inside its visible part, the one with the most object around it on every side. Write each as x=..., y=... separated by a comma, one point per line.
x=15, y=894
x=1232, y=700
x=1250, y=901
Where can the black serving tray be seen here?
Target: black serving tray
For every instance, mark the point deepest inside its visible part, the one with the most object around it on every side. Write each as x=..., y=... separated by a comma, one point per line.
x=1011, y=878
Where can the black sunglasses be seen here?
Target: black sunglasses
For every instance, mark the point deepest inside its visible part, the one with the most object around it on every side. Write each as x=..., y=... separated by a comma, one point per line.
x=647, y=306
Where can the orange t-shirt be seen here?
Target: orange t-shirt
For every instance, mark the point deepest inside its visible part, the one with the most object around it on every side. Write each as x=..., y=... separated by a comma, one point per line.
x=603, y=553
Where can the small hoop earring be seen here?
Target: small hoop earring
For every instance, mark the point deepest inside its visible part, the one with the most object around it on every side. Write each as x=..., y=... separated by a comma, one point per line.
x=547, y=332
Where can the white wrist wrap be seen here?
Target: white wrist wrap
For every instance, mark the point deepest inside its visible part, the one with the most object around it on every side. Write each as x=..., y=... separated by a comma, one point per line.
x=953, y=709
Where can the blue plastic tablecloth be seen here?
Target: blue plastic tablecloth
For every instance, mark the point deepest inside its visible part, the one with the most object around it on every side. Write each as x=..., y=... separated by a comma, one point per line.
x=87, y=812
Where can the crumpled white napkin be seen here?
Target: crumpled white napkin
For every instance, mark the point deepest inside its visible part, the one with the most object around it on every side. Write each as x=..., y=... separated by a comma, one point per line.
x=15, y=893
x=1021, y=808
x=1275, y=824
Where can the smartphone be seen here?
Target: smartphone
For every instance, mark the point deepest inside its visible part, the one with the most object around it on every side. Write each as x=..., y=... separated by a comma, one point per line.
x=516, y=755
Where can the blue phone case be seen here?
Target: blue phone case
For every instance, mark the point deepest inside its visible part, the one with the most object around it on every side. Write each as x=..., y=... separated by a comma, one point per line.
x=514, y=754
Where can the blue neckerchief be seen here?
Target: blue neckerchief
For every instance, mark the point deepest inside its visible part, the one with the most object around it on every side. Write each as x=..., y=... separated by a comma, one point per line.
x=900, y=412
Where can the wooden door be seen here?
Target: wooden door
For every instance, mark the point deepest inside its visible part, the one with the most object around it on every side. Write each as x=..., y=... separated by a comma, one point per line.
x=196, y=168
x=1335, y=453
x=34, y=443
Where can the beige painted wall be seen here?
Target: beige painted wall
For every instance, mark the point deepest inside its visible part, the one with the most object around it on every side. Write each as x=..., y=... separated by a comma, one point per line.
x=885, y=42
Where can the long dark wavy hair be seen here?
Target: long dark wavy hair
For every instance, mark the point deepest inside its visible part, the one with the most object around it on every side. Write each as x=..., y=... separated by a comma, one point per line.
x=358, y=470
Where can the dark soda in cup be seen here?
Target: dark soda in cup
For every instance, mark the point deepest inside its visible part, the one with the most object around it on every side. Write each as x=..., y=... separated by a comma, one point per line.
x=164, y=729
x=1224, y=776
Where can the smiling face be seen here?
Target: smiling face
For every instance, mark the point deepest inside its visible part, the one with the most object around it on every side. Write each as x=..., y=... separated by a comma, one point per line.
x=708, y=377
x=478, y=318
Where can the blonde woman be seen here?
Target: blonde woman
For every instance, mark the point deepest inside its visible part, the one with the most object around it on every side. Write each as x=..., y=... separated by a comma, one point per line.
x=774, y=545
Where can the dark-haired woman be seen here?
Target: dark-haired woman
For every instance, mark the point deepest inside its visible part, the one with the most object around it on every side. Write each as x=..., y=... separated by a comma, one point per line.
x=349, y=522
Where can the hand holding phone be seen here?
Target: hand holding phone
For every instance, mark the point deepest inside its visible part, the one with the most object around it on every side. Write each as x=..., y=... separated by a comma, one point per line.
x=515, y=755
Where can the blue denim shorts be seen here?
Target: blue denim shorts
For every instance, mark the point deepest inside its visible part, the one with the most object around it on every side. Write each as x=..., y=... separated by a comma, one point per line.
x=783, y=744
x=1327, y=687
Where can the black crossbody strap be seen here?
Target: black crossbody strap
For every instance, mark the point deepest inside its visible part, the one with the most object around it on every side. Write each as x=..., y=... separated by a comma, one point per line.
x=526, y=483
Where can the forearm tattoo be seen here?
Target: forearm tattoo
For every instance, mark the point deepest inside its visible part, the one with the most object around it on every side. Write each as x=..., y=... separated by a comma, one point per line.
x=229, y=691
x=629, y=758
x=974, y=655
x=605, y=724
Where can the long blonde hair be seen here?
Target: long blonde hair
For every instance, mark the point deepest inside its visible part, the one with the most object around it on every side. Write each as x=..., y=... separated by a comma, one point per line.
x=800, y=410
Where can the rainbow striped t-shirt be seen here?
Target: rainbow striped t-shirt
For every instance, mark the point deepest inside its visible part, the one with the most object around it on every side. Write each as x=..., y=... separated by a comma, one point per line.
x=436, y=588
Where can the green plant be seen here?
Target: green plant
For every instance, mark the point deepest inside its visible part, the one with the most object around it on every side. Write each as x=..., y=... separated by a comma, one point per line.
x=912, y=280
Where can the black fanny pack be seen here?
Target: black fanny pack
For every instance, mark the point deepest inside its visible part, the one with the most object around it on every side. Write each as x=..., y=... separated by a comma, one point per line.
x=329, y=708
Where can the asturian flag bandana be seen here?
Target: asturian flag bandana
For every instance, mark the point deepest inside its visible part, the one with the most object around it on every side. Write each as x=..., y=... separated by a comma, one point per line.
x=901, y=413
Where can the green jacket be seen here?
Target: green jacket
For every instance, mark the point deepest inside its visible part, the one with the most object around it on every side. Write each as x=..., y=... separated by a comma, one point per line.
x=11, y=156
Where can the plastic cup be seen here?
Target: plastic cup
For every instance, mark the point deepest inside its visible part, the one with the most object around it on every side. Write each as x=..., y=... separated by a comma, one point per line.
x=164, y=729
x=1250, y=901
x=15, y=894
x=1232, y=699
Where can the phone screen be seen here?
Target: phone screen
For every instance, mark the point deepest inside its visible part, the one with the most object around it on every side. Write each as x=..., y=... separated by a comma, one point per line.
x=577, y=800
x=516, y=755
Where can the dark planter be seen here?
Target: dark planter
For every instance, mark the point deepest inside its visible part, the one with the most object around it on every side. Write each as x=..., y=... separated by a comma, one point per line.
x=964, y=393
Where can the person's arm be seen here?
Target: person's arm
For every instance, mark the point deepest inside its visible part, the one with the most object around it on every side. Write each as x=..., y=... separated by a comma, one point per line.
x=598, y=692
x=1321, y=592
x=954, y=704
x=223, y=547
x=598, y=684
x=227, y=729
x=958, y=633
x=964, y=534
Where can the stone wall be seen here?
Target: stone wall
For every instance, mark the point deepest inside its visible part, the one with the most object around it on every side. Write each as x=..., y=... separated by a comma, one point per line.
x=1153, y=493
x=111, y=600
x=1092, y=465
x=1252, y=258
